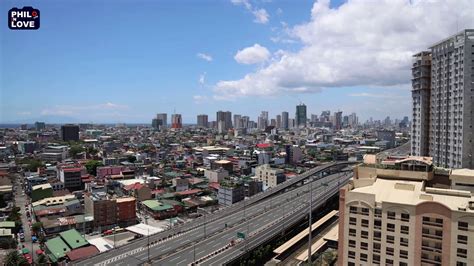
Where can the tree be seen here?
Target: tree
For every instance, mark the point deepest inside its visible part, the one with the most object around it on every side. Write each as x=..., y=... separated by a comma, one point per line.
x=42, y=260
x=14, y=258
x=36, y=227
x=132, y=158
x=92, y=165
x=75, y=150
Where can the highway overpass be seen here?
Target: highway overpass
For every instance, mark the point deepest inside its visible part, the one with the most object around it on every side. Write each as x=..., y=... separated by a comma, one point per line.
x=257, y=213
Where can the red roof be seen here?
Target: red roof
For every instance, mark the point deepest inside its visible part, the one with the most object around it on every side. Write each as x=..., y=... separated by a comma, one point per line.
x=135, y=186
x=81, y=253
x=214, y=185
x=189, y=192
x=263, y=145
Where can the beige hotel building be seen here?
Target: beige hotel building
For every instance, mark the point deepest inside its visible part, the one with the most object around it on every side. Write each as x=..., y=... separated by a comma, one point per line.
x=405, y=211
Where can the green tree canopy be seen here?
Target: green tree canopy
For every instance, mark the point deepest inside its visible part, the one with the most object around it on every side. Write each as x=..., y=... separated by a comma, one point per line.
x=92, y=165
x=14, y=258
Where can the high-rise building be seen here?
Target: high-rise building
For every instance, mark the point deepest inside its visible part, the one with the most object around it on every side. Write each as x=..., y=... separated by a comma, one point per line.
x=396, y=212
x=300, y=117
x=353, y=120
x=278, y=121
x=162, y=120
x=237, y=121
x=421, y=90
x=245, y=121
x=284, y=120
x=224, y=119
x=70, y=132
x=202, y=121
x=338, y=120
x=40, y=126
x=176, y=121
x=451, y=105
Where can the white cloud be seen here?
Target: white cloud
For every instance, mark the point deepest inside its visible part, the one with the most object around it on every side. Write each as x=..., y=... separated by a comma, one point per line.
x=204, y=56
x=376, y=95
x=202, y=78
x=252, y=55
x=359, y=43
x=261, y=15
x=198, y=99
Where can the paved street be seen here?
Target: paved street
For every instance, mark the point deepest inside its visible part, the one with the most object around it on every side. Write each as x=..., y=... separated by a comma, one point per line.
x=21, y=200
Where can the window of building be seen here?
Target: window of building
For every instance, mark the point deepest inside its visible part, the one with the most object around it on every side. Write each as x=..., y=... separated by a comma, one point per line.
x=460, y=263
x=365, y=211
x=462, y=253
x=389, y=262
x=377, y=235
x=403, y=263
x=404, y=241
x=352, y=232
x=389, y=251
x=365, y=223
x=364, y=245
x=363, y=257
x=462, y=239
x=352, y=254
x=376, y=247
x=353, y=209
x=378, y=213
x=463, y=226
x=403, y=254
x=377, y=224
x=390, y=239
x=391, y=215
x=365, y=234
x=405, y=217
x=391, y=227
x=352, y=243
x=352, y=220
x=404, y=229
x=376, y=258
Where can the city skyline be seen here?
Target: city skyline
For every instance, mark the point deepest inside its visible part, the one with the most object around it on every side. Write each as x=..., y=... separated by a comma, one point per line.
x=90, y=71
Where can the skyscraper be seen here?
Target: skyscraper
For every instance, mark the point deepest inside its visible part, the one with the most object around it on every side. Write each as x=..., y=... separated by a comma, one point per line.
x=300, y=117
x=162, y=120
x=278, y=121
x=338, y=120
x=284, y=120
x=202, y=120
x=70, y=132
x=224, y=119
x=421, y=90
x=40, y=126
x=451, y=104
x=237, y=121
x=176, y=121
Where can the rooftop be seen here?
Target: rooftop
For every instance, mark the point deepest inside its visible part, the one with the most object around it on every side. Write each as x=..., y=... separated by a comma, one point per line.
x=411, y=193
x=73, y=238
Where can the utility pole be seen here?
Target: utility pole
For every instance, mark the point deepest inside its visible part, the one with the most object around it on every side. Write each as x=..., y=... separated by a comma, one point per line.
x=310, y=219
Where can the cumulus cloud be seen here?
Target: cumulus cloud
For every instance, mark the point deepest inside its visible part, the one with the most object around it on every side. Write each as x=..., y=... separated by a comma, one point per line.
x=252, y=55
x=261, y=15
x=359, y=43
x=204, y=56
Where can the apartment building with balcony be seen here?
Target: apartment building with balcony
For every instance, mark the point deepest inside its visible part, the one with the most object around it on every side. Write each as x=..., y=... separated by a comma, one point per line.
x=406, y=212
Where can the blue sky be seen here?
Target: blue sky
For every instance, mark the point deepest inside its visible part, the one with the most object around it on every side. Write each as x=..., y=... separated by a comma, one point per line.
x=124, y=61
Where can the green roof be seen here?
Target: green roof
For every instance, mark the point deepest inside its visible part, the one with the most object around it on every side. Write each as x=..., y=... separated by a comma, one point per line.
x=57, y=248
x=73, y=238
x=173, y=174
x=7, y=224
x=156, y=205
